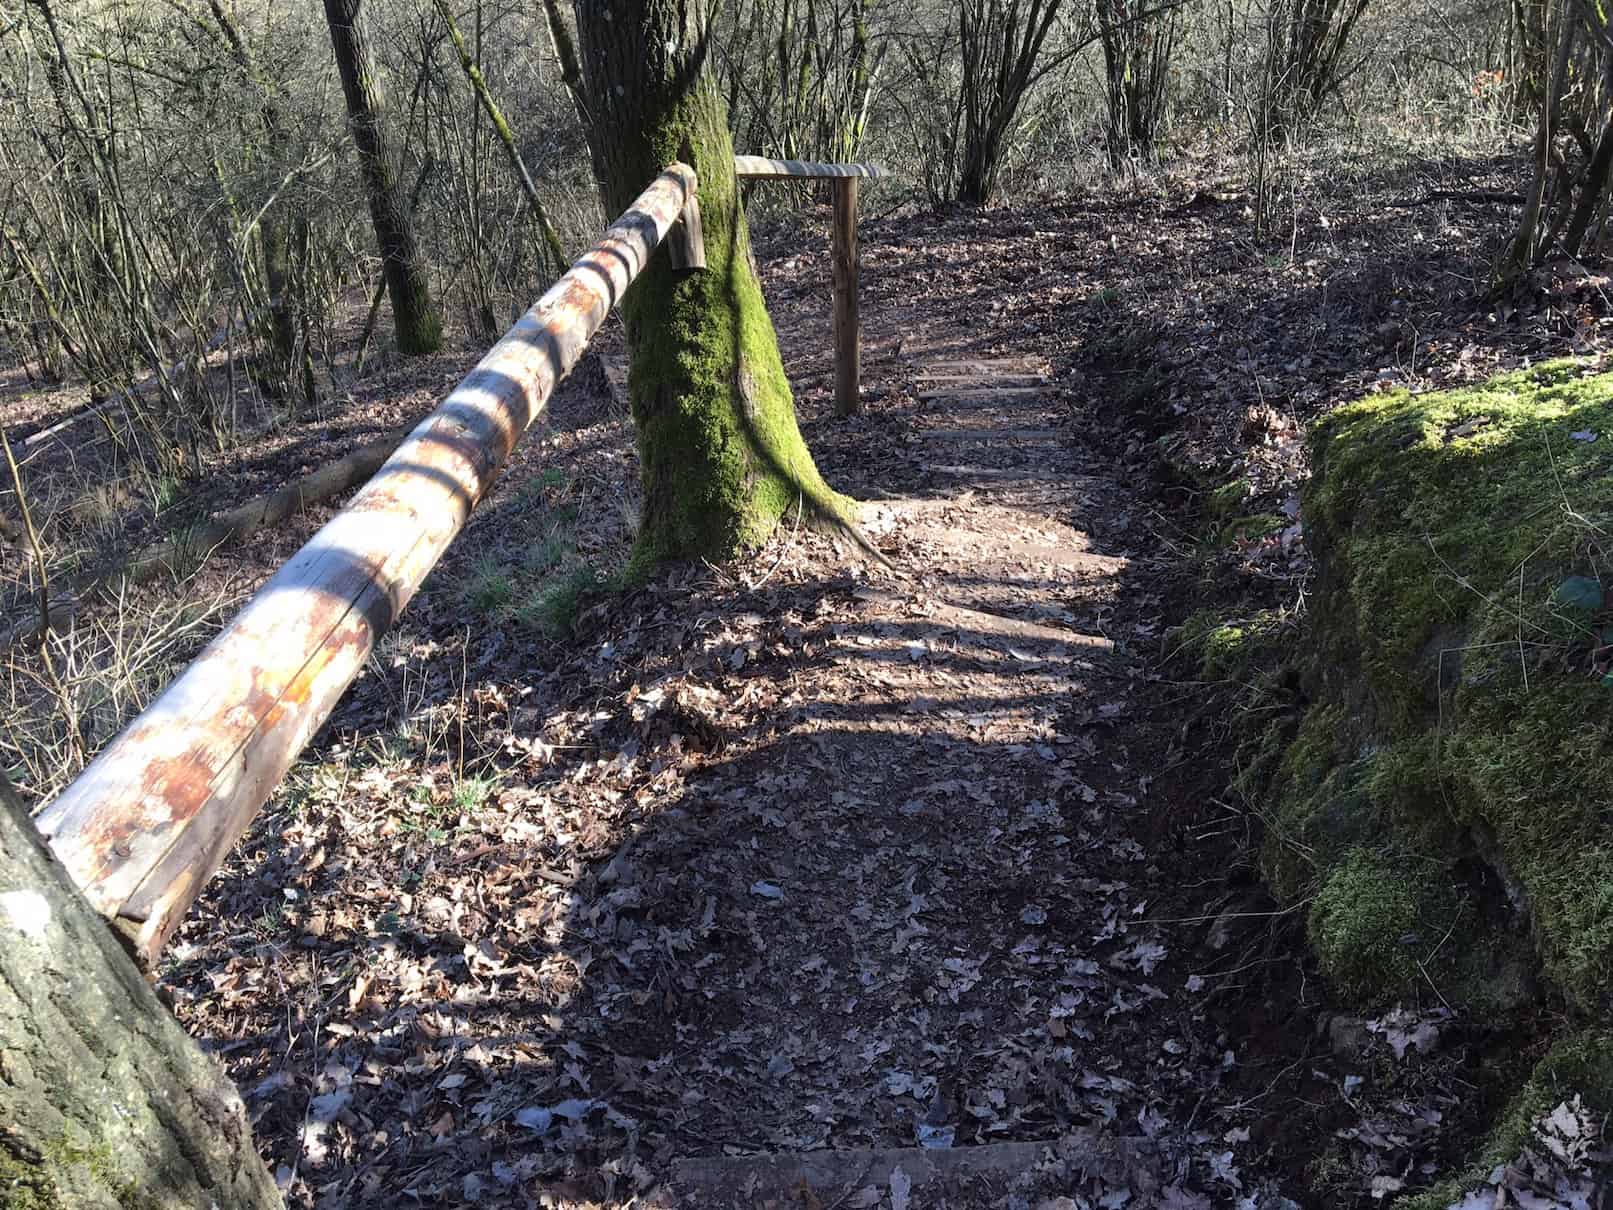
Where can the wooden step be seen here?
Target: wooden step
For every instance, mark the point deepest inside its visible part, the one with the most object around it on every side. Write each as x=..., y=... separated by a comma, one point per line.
x=917, y=1176
x=958, y=380
x=963, y=618
x=1000, y=472
x=1027, y=407
x=978, y=392
x=1016, y=365
x=988, y=434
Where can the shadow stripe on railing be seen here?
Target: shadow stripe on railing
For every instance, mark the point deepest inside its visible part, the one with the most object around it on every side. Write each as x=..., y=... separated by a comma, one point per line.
x=154, y=815
x=759, y=167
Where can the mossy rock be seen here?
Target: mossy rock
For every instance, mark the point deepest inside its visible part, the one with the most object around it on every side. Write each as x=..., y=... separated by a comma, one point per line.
x=1227, y=648
x=1581, y=1063
x=1457, y=712
x=1382, y=926
x=1359, y=926
x=1226, y=500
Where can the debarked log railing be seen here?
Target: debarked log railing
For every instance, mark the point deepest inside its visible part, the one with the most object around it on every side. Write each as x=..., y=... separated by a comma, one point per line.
x=155, y=814
x=843, y=256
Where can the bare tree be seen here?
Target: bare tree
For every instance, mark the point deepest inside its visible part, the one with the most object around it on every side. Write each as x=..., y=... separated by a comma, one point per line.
x=1568, y=196
x=415, y=322
x=293, y=367
x=1137, y=38
x=550, y=251
x=799, y=75
x=1306, y=42
x=1000, y=43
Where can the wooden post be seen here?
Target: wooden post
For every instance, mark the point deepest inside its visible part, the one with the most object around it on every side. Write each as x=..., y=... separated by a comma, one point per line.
x=154, y=816
x=685, y=243
x=847, y=321
x=842, y=180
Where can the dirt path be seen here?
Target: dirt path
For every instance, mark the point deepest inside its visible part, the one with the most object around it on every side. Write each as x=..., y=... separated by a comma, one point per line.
x=922, y=904
x=857, y=866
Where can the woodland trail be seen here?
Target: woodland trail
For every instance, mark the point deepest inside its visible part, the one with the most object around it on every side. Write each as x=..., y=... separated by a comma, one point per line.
x=800, y=858
x=817, y=859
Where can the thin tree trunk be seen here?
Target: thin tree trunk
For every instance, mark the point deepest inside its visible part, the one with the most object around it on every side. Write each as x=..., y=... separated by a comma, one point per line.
x=1521, y=254
x=104, y=1102
x=298, y=374
x=722, y=458
x=551, y=253
x=415, y=321
x=1000, y=48
x=565, y=51
x=1593, y=192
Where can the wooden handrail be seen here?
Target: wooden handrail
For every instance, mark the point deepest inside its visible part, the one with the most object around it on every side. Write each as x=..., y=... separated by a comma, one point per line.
x=843, y=258
x=759, y=167
x=154, y=815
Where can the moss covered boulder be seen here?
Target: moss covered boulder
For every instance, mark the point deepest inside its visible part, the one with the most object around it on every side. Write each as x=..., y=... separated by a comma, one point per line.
x=1579, y=1064
x=1447, y=803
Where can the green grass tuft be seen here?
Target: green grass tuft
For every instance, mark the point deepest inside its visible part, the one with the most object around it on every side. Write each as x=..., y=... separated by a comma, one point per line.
x=1241, y=529
x=553, y=550
x=554, y=606
x=1226, y=500
x=1228, y=649
x=472, y=793
x=491, y=591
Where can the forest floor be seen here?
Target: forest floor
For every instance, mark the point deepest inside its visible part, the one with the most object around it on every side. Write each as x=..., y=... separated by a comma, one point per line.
x=638, y=898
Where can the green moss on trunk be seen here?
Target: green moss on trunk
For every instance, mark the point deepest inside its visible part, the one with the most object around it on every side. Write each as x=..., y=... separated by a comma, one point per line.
x=721, y=454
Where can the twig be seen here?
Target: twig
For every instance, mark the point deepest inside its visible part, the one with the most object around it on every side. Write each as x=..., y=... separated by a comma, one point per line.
x=1433, y=985
x=1224, y=915
x=1483, y=197
x=546, y=872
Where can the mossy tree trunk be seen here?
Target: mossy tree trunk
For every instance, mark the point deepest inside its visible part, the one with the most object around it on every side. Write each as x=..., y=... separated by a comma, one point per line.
x=104, y=1102
x=722, y=457
x=415, y=322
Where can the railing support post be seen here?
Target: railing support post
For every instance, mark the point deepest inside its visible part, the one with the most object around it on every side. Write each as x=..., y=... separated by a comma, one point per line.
x=847, y=320
x=843, y=253
x=686, y=243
